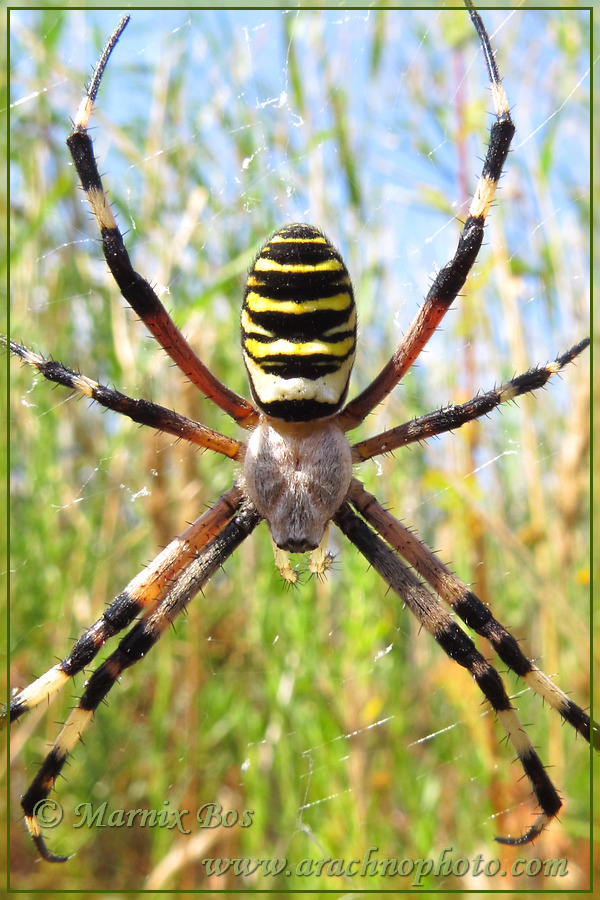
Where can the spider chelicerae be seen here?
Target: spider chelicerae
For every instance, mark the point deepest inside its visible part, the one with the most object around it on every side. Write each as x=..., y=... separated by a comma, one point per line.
x=301, y=381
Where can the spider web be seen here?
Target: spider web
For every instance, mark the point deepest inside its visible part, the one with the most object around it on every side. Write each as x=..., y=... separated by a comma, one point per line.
x=322, y=708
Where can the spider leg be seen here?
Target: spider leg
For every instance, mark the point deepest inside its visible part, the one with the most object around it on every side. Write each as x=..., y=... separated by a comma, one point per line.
x=459, y=647
x=451, y=278
x=134, y=288
x=449, y=418
x=468, y=606
x=133, y=647
x=144, y=592
x=142, y=411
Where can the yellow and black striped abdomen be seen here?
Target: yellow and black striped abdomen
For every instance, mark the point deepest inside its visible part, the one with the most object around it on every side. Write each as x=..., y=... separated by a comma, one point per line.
x=299, y=326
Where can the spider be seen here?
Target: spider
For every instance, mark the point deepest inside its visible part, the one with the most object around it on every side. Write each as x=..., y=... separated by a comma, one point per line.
x=296, y=468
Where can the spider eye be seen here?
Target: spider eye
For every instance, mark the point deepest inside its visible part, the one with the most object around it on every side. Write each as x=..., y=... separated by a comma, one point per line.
x=299, y=326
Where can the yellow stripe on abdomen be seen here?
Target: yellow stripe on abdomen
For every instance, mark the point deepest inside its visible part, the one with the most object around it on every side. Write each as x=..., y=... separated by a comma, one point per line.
x=299, y=326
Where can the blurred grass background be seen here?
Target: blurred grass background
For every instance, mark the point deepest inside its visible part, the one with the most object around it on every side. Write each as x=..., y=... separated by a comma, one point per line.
x=323, y=709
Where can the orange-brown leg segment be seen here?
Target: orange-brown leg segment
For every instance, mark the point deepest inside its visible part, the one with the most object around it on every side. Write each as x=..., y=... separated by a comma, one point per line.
x=450, y=280
x=143, y=593
x=142, y=411
x=468, y=606
x=449, y=418
x=133, y=647
x=459, y=647
x=134, y=288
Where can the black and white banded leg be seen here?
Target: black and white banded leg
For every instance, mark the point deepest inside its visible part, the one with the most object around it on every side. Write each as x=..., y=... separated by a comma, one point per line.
x=459, y=647
x=132, y=648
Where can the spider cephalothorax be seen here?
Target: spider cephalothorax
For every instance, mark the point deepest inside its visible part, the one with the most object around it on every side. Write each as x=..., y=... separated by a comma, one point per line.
x=298, y=329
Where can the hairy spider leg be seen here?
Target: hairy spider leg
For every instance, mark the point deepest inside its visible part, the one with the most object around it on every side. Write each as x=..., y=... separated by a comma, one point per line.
x=467, y=605
x=134, y=288
x=133, y=647
x=459, y=647
x=141, y=411
x=452, y=417
x=143, y=593
x=451, y=278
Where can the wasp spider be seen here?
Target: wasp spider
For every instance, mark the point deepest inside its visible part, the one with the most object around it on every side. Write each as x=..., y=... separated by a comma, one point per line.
x=296, y=468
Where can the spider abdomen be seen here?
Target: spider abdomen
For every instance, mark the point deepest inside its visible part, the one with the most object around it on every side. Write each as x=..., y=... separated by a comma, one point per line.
x=297, y=477
x=299, y=326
